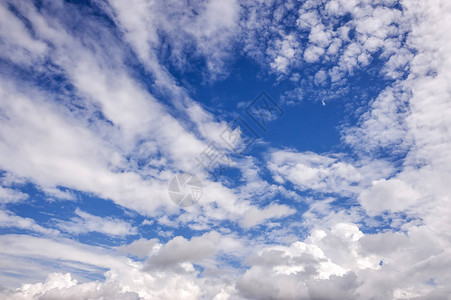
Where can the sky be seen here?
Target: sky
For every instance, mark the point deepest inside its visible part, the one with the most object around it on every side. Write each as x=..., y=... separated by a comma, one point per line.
x=211, y=149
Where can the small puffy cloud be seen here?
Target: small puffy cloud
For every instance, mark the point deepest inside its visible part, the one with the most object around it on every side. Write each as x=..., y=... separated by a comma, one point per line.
x=285, y=51
x=319, y=36
x=320, y=78
x=308, y=19
x=313, y=53
x=254, y=215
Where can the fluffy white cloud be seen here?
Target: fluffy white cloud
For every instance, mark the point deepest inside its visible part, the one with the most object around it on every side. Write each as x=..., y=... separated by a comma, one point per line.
x=139, y=248
x=179, y=252
x=59, y=285
x=126, y=279
x=285, y=50
x=297, y=271
x=313, y=53
x=388, y=195
x=350, y=263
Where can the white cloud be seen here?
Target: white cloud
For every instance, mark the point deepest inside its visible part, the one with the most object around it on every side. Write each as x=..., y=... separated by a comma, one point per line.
x=374, y=26
x=104, y=152
x=382, y=126
x=17, y=44
x=124, y=278
x=411, y=119
x=33, y=258
x=308, y=19
x=140, y=248
x=323, y=173
x=285, y=50
x=208, y=26
x=180, y=252
x=313, y=53
x=341, y=258
x=8, y=195
x=319, y=36
x=255, y=216
x=58, y=285
x=320, y=77
x=299, y=270
x=388, y=195
x=52, y=149
x=85, y=222
x=59, y=194
x=10, y=220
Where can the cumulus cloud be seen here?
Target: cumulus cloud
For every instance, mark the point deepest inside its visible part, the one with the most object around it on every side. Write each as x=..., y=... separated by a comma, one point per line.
x=179, y=252
x=350, y=263
x=125, y=278
x=388, y=195
x=58, y=285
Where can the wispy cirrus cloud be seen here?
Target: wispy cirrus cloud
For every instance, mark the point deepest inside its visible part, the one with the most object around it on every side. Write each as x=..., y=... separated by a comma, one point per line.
x=85, y=222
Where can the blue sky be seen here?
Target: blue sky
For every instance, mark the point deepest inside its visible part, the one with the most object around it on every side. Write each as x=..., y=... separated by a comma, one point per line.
x=328, y=123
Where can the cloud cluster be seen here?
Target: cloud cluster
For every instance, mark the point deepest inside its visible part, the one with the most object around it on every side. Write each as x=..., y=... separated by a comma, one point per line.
x=350, y=263
x=111, y=134
x=76, y=117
